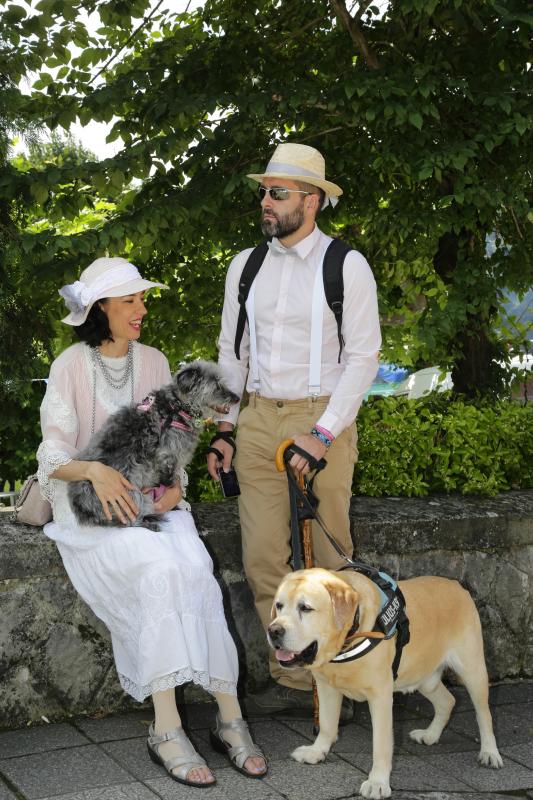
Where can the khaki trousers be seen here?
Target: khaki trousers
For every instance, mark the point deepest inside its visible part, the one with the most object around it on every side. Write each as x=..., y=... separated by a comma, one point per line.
x=264, y=502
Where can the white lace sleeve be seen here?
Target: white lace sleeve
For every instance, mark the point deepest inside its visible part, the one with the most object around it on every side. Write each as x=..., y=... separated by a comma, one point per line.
x=184, y=481
x=59, y=423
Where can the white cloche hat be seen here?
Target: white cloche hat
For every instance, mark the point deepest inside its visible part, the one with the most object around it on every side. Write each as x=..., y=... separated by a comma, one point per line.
x=105, y=277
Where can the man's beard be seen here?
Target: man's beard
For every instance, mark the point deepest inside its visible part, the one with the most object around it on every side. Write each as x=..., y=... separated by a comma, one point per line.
x=284, y=225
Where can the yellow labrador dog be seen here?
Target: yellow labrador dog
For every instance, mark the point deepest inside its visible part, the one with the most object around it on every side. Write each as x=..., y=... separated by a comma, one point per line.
x=313, y=611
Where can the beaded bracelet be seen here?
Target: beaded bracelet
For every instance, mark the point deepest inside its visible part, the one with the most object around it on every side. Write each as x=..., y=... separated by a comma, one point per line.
x=325, y=432
x=321, y=437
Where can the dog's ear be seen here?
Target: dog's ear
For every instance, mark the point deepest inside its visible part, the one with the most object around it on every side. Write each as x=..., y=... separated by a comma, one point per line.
x=186, y=377
x=344, y=600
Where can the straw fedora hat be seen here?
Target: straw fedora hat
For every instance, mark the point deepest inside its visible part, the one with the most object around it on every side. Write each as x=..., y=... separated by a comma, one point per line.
x=105, y=277
x=299, y=162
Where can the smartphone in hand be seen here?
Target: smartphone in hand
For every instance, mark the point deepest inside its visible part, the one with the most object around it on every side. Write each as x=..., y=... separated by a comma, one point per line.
x=228, y=482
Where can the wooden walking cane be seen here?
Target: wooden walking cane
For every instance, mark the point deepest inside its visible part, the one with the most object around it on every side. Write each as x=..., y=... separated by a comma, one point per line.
x=307, y=546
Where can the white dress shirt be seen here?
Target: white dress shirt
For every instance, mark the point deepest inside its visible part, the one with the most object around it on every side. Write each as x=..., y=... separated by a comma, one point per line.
x=283, y=303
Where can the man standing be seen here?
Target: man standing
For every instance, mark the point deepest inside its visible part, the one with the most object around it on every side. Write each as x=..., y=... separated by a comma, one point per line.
x=299, y=385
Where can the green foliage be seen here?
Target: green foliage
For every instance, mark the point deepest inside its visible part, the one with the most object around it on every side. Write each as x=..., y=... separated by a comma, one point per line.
x=201, y=488
x=20, y=433
x=422, y=113
x=439, y=444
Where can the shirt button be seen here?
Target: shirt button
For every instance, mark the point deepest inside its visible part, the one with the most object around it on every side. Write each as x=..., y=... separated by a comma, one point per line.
x=280, y=404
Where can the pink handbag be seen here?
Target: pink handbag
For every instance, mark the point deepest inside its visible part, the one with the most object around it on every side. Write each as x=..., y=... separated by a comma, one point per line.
x=31, y=507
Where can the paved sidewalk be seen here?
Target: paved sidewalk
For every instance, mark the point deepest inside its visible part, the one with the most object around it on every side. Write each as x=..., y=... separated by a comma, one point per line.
x=106, y=758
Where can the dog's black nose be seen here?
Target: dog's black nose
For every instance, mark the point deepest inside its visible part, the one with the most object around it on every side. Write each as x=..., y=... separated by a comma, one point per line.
x=276, y=632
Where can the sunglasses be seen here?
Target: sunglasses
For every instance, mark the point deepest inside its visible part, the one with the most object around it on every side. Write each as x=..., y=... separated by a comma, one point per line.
x=279, y=192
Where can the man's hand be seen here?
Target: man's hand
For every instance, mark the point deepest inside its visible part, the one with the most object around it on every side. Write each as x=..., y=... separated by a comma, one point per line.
x=311, y=445
x=213, y=464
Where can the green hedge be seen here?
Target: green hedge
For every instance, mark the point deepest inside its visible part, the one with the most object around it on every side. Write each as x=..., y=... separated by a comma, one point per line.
x=406, y=447
x=443, y=444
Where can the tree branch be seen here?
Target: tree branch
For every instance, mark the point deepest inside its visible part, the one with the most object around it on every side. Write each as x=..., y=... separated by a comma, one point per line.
x=354, y=29
x=362, y=8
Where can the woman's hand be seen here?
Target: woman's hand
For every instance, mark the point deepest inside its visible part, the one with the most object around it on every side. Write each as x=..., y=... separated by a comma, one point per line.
x=113, y=489
x=170, y=499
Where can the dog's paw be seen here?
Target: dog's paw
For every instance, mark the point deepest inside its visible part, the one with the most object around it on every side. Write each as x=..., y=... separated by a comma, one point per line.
x=308, y=754
x=490, y=758
x=424, y=736
x=375, y=789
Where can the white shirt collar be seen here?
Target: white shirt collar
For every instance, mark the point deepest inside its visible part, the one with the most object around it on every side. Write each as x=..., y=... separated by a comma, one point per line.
x=300, y=249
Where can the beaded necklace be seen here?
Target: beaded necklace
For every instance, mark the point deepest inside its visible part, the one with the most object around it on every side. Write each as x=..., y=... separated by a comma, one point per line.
x=115, y=377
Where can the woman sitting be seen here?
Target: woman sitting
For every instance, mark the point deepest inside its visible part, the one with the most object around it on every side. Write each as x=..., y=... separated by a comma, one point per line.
x=155, y=592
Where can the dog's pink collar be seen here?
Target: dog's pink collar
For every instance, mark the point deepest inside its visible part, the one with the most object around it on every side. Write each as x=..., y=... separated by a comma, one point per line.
x=147, y=404
x=181, y=426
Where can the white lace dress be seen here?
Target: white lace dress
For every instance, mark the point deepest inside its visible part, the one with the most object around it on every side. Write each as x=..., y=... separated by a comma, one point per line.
x=155, y=591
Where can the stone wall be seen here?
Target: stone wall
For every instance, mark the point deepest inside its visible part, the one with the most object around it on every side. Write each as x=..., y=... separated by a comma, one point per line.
x=55, y=657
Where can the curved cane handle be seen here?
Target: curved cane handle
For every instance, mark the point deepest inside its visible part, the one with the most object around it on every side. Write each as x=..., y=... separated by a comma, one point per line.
x=280, y=452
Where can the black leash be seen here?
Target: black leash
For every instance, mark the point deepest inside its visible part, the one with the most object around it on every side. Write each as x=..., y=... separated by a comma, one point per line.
x=304, y=505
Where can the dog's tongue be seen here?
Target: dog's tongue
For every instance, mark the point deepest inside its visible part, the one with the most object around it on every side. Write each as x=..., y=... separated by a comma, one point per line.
x=285, y=655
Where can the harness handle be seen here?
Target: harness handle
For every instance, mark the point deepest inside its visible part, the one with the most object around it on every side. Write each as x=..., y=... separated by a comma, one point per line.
x=280, y=454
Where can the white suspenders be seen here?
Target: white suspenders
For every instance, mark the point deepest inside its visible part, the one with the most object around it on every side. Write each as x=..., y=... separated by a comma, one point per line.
x=315, y=354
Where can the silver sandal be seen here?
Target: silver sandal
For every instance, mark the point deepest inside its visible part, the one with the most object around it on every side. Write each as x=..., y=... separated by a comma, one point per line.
x=237, y=754
x=188, y=761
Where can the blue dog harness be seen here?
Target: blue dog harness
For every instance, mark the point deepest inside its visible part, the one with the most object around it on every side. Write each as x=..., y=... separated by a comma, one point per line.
x=391, y=619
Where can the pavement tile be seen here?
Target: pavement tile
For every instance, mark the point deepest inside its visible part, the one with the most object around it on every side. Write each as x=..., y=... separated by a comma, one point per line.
x=523, y=753
x=125, y=791
x=447, y=796
x=275, y=739
x=39, y=739
x=325, y=781
x=111, y=728
x=132, y=755
x=483, y=779
x=351, y=737
x=62, y=771
x=355, y=738
x=410, y=772
x=507, y=693
x=229, y=786
x=450, y=741
x=5, y=794
x=512, y=724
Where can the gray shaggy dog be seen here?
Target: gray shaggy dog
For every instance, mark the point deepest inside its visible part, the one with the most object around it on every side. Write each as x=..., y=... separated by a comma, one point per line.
x=149, y=442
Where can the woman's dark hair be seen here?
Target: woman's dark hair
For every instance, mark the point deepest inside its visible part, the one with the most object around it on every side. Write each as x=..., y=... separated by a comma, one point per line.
x=95, y=329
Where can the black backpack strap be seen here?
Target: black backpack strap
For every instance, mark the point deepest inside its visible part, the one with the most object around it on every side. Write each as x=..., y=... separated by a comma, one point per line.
x=250, y=270
x=334, y=282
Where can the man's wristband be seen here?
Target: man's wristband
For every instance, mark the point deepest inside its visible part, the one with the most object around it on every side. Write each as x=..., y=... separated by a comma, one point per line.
x=322, y=437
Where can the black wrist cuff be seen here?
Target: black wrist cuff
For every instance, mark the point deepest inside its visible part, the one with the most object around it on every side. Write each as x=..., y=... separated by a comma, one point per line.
x=225, y=436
